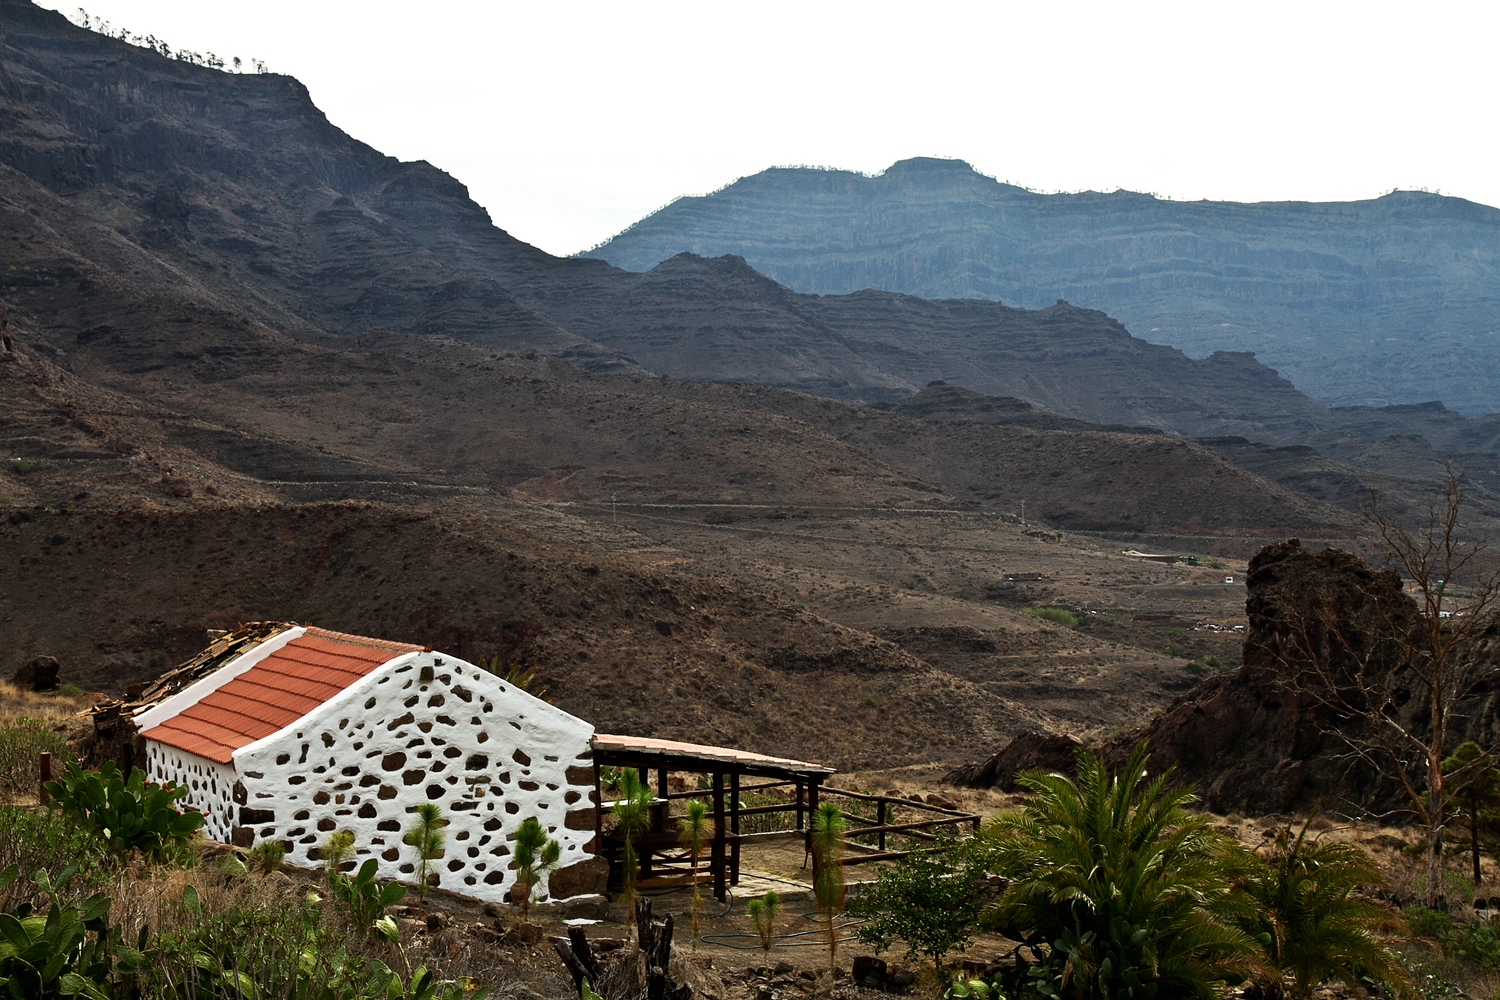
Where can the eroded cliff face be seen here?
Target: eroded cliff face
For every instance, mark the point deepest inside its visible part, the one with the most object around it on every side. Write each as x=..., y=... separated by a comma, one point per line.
x=1260, y=740
x=1381, y=301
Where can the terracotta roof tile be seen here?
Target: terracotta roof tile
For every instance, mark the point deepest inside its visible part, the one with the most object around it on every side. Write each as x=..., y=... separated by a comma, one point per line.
x=275, y=693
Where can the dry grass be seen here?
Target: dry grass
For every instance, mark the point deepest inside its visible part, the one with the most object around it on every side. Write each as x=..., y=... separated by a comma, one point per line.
x=51, y=708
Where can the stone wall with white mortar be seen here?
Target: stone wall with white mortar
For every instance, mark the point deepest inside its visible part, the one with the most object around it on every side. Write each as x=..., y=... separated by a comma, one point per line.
x=210, y=785
x=425, y=727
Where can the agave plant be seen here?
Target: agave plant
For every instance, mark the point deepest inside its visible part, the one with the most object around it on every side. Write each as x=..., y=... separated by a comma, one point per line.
x=827, y=842
x=695, y=828
x=1312, y=924
x=534, y=856
x=1132, y=892
x=632, y=810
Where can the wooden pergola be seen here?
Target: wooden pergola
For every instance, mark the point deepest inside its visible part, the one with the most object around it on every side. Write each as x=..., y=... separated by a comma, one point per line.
x=726, y=767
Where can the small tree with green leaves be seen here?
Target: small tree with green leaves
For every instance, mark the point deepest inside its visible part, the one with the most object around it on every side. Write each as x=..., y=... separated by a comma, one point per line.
x=632, y=811
x=1475, y=794
x=426, y=836
x=926, y=900
x=695, y=828
x=534, y=855
x=827, y=843
x=763, y=914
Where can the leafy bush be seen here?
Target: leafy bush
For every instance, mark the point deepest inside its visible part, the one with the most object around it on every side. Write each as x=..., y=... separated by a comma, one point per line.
x=248, y=938
x=927, y=900
x=66, y=951
x=20, y=744
x=364, y=898
x=266, y=857
x=1474, y=944
x=70, y=691
x=1127, y=893
x=43, y=840
x=1058, y=616
x=128, y=813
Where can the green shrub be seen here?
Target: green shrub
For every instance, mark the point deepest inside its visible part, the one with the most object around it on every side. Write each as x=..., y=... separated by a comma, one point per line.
x=365, y=899
x=70, y=691
x=1174, y=649
x=1211, y=661
x=1474, y=944
x=1058, y=616
x=43, y=840
x=266, y=857
x=21, y=743
x=127, y=813
x=65, y=951
x=926, y=900
x=1196, y=669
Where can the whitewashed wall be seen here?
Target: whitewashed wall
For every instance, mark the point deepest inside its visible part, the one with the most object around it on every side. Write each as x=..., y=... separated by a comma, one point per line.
x=488, y=754
x=210, y=785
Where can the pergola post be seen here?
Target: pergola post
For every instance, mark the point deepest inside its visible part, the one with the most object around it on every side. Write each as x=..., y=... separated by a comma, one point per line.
x=721, y=892
x=799, y=804
x=734, y=828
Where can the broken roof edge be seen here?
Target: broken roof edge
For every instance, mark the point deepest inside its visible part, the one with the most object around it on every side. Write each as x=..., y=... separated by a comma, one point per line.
x=223, y=650
x=743, y=760
x=185, y=697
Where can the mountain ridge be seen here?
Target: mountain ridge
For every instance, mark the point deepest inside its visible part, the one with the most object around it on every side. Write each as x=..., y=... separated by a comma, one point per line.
x=1306, y=285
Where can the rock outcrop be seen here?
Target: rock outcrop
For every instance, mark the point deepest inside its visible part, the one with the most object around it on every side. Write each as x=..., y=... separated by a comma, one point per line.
x=1258, y=741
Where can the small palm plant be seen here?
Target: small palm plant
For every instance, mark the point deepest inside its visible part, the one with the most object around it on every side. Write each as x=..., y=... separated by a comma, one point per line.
x=695, y=828
x=337, y=849
x=827, y=844
x=535, y=855
x=632, y=811
x=1128, y=887
x=1311, y=924
x=426, y=835
x=763, y=914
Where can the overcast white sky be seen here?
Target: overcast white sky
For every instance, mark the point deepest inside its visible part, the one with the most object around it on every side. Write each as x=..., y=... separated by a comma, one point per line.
x=569, y=121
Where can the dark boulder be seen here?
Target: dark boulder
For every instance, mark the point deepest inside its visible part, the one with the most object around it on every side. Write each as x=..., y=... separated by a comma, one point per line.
x=38, y=675
x=1031, y=751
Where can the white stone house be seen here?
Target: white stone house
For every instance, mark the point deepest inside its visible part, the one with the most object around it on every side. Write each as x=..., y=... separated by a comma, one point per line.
x=312, y=731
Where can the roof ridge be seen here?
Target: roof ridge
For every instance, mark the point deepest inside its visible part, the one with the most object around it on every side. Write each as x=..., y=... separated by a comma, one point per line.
x=361, y=640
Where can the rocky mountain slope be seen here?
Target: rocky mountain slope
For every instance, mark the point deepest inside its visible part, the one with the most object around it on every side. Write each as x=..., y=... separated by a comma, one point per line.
x=1385, y=301
x=235, y=193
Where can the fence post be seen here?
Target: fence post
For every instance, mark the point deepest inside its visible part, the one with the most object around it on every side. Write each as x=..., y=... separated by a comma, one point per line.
x=880, y=821
x=44, y=773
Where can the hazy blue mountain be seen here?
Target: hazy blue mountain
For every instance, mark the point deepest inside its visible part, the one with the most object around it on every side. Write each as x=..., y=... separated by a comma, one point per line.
x=1394, y=300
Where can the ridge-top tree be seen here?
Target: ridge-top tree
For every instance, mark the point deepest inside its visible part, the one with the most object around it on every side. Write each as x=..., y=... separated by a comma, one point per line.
x=1386, y=671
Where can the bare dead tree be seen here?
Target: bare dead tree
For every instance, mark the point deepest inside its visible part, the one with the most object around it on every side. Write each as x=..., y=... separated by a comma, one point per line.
x=1386, y=672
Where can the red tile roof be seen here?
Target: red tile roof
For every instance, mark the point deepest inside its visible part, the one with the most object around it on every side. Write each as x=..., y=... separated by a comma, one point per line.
x=274, y=693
